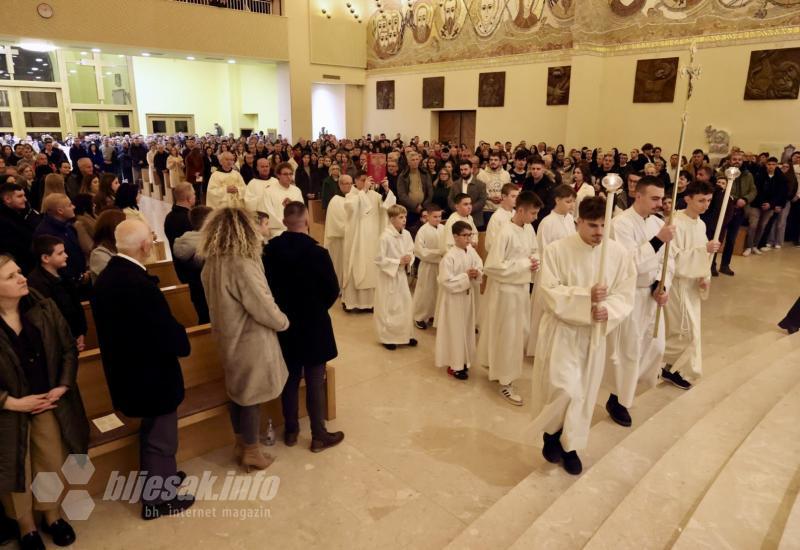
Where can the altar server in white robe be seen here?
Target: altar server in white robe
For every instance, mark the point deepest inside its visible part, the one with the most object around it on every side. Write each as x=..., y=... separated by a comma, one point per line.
x=335, y=227
x=503, y=214
x=634, y=356
x=558, y=224
x=569, y=362
x=279, y=195
x=460, y=274
x=366, y=219
x=255, y=195
x=689, y=287
x=510, y=268
x=393, y=313
x=428, y=248
x=463, y=213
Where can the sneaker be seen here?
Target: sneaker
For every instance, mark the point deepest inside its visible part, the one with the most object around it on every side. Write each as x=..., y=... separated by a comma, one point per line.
x=777, y=247
x=460, y=374
x=617, y=412
x=757, y=252
x=390, y=347
x=572, y=462
x=746, y=252
x=675, y=379
x=552, y=449
x=326, y=442
x=510, y=395
x=767, y=248
x=714, y=272
x=421, y=325
x=726, y=269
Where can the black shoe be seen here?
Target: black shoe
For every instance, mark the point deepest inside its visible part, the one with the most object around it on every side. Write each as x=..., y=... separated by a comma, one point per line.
x=572, y=463
x=618, y=413
x=552, y=449
x=412, y=342
x=329, y=440
x=60, y=531
x=460, y=374
x=421, y=325
x=9, y=529
x=290, y=438
x=675, y=379
x=726, y=269
x=168, y=508
x=390, y=347
x=31, y=541
x=714, y=272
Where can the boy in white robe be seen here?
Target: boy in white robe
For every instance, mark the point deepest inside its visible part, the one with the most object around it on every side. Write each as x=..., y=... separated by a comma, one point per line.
x=335, y=227
x=578, y=315
x=558, y=224
x=366, y=218
x=463, y=213
x=634, y=356
x=510, y=267
x=393, y=316
x=428, y=248
x=503, y=214
x=683, y=353
x=460, y=274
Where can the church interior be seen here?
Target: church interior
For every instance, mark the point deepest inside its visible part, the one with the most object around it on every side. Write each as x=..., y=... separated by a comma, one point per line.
x=430, y=461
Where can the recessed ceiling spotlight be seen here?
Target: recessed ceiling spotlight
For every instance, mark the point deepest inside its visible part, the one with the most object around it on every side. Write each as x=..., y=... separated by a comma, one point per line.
x=145, y=54
x=96, y=50
x=39, y=59
x=73, y=71
x=38, y=78
x=84, y=53
x=190, y=58
x=232, y=61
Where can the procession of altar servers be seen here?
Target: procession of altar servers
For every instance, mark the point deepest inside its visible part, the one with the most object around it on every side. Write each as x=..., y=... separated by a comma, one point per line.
x=539, y=299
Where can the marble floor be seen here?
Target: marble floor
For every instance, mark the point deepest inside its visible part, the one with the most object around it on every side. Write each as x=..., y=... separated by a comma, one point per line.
x=424, y=454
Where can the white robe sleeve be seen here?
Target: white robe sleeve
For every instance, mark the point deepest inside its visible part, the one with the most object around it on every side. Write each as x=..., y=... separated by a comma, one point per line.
x=423, y=249
x=252, y=194
x=501, y=268
x=570, y=304
x=215, y=194
x=621, y=293
x=644, y=255
x=384, y=261
x=450, y=279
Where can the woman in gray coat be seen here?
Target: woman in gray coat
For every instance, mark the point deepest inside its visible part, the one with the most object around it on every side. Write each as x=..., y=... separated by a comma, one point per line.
x=41, y=412
x=244, y=318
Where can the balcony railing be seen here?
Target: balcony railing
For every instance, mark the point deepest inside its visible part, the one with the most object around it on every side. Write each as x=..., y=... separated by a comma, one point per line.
x=268, y=7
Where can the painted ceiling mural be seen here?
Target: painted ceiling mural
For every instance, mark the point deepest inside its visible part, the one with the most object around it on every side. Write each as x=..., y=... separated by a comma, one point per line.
x=403, y=32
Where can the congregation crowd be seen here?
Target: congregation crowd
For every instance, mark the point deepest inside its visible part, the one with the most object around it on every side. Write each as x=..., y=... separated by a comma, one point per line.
x=71, y=230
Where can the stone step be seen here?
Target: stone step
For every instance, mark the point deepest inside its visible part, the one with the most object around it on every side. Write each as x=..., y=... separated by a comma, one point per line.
x=520, y=507
x=575, y=516
x=741, y=505
x=663, y=500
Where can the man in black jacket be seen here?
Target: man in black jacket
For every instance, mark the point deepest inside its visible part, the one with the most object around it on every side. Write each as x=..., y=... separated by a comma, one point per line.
x=302, y=279
x=16, y=232
x=770, y=199
x=140, y=342
x=138, y=153
x=543, y=186
x=58, y=221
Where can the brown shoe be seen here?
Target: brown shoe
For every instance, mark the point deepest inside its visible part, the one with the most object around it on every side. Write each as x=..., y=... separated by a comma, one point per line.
x=290, y=438
x=328, y=441
x=254, y=459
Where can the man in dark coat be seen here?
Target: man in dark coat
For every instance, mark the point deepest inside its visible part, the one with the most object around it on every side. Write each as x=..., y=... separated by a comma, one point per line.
x=16, y=231
x=140, y=342
x=59, y=222
x=302, y=279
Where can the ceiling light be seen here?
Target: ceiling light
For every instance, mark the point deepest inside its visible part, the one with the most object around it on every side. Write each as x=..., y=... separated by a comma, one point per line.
x=96, y=50
x=38, y=59
x=232, y=61
x=34, y=68
x=44, y=64
x=190, y=58
x=145, y=54
x=84, y=53
x=73, y=71
x=109, y=74
x=38, y=78
x=37, y=46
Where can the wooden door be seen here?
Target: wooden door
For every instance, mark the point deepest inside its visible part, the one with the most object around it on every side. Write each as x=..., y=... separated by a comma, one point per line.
x=468, y=128
x=449, y=126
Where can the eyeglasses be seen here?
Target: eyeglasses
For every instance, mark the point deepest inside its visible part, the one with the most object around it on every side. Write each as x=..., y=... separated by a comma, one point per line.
x=465, y=235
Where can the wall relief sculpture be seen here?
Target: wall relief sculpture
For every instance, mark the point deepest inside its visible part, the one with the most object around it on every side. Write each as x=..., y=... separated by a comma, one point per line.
x=773, y=74
x=434, y=31
x=558, y=79
x=719, y=141
x=655, y=80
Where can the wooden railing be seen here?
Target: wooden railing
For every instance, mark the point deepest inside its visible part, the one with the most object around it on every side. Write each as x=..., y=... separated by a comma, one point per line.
x=267, y=7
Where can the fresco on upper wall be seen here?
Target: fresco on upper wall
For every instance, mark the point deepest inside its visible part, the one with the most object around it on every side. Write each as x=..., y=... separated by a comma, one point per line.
x=406, y=33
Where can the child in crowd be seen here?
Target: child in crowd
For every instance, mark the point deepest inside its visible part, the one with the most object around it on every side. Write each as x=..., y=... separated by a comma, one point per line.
x=393, y=313
x=463, y=213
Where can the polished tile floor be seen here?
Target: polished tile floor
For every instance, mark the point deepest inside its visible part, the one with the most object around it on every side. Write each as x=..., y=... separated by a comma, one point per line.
x=424, y=455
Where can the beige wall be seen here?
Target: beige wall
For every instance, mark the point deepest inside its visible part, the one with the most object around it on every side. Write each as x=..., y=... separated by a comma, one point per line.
x=150, y=24
x=601, y=110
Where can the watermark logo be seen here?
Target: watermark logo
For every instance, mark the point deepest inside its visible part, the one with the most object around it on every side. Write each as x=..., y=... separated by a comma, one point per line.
x=138, y=486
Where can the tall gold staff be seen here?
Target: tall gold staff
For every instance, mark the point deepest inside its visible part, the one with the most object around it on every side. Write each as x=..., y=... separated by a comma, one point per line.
x=690, y=71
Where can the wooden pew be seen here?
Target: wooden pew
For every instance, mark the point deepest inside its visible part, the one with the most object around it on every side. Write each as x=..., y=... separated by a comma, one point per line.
x=203, y=422
x=165, y=271
x=179, y=301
